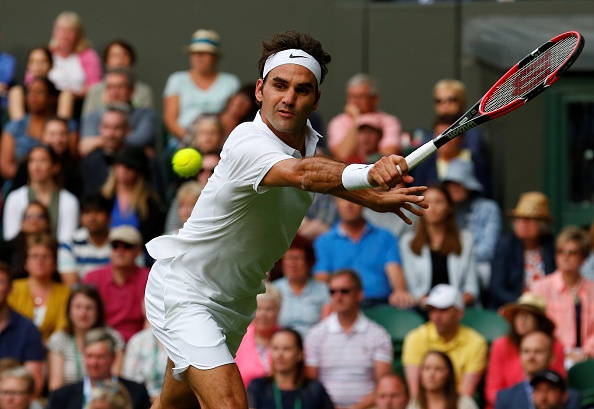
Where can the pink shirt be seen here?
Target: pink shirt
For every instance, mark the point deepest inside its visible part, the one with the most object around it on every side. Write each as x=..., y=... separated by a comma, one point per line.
x=340, y=124
x=249, y=359
x=505, y=368
x=123, y=304
x=561, y=309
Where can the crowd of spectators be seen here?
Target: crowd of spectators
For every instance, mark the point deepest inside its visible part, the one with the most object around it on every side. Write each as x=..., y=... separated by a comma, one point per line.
x=85, y=184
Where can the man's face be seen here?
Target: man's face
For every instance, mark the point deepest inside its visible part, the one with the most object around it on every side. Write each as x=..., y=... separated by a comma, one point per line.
x=113, y=129
x=288, y=97
x=123, y=255
x=344, y=297
x=360, y=96
x=369, y=139
x=98, y=360
x=95, y=220
x=445, y=320
x=548, y=396
x=14, y=394
x=390, y=394
x=535, y=352
x=55, y=134
x=117, y=88
x=349, y=212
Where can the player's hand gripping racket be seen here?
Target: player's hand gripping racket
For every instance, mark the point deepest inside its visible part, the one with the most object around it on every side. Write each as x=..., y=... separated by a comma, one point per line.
x=528, y=78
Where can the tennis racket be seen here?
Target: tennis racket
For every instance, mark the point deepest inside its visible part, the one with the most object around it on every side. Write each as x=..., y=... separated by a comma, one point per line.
x=524, y=81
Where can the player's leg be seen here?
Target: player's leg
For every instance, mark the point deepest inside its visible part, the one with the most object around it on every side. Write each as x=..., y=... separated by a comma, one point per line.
x=218, y=388
x=175, y=394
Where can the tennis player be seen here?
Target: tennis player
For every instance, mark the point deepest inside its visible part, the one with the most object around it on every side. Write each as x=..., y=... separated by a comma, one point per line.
x=202, y=289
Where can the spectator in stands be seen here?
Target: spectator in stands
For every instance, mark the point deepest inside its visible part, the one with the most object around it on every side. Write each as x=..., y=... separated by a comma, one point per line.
x=348, y=352
x=14, y=252
x=443, y=332
x=98, y=357
x=110, y=395
x=17, y=389
x=320, y=217
x=39, y=297
x=241, y=107
x=505, y=368
x=369, y=135
x=85, y=311
x=479, y=215
x=7, y=73
x=587, y=269
x=118, y=54
x=39, y=64
x=205, y=134
x=19, y=337
x=76, y=65
x=305, y=300
x=524, y=255
x=362, y=101
x=569, y=296
x=182, y=205
x=122, y=282
x=391, y=392
x=119, y=89
x=43, y=167
x=19, y=136
x=437, y=385
x=536, y=354
x=438, y=252
x=88, y=249
x=253, y=356
x=202, y=89
x=370, y=251
x=288, y=377
x=549, y=391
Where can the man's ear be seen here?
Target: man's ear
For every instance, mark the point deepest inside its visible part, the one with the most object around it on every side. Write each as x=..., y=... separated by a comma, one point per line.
x=259, y=87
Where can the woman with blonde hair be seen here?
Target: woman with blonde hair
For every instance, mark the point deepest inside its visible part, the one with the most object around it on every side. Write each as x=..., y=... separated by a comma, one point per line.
x=109, y=395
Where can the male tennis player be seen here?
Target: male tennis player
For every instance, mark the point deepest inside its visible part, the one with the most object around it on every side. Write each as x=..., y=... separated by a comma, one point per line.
x=202, y=289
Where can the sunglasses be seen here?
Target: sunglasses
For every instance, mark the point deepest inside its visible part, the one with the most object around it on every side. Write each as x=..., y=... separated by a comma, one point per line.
x=568, y=252
x=444, y=100
x=343, y=291
x=121, y=245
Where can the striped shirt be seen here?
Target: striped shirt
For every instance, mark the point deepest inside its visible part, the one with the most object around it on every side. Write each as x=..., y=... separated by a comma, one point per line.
x=345, y=361
x=81, y=255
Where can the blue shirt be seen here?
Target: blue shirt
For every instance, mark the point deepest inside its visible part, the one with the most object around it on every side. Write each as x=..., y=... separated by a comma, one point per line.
x=301, y=311
x=368, y=257
x=21, y=340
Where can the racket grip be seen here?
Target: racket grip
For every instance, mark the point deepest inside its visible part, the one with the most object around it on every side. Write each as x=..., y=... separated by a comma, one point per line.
x=420, y=154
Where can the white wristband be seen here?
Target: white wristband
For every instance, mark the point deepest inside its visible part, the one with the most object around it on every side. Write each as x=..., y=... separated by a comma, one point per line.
x=355, y=177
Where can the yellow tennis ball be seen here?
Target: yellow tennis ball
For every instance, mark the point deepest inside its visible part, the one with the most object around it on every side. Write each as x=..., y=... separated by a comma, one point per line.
x=187, y=162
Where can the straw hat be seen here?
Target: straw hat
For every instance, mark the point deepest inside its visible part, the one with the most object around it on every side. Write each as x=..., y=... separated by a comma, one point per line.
x=532, y=303
x=205, y=41
x=532, y=205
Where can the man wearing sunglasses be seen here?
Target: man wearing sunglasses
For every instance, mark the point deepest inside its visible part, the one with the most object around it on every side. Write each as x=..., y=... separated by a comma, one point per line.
x=122, y=282
x=347, y=351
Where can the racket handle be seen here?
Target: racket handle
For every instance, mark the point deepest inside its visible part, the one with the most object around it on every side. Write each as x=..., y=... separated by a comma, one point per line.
x=420, y=154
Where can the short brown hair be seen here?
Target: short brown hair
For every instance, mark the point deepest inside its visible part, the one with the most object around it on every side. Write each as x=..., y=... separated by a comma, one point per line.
x=355, y=279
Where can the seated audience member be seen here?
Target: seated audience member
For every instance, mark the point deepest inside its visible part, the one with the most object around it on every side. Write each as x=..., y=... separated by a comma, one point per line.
x=505, y=368
x=438, y=252
x=110, y=394
x=443, y=332
x=182, y=205
x=370, y=251
x=587, y=269
x=135, y=202
x=320, y=217
x=391, y=392
x=122, y=282
x=253, y=356
x=369, y=135
x=549, y=391
x=119, y=88
x=17, y=389
x=288, y=377
x=13, y=252
x=118, y=54
x=304, y=299
x=478, y=215
x=437, y=385
x=536, y=353
x=145, y=362
x=524, y=255
x=347, y=351
x=44, y=169
x=84, y=312
x=19, y=337
x=7, y=74
x=39, y=297
x=88, y=249
x=569, y=296
x=205, y=134
x=241, y=107
x=19, y=136
x=435, y=167
x=362, y=99
x=98, y=357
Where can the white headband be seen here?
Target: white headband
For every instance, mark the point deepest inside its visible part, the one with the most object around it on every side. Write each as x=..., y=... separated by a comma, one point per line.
x=293, y=56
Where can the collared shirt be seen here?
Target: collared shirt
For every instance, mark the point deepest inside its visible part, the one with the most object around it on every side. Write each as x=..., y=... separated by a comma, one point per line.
x=345, y=360
x=368, y=257
x=467, y=350
x=561, y=309
x=21, y=339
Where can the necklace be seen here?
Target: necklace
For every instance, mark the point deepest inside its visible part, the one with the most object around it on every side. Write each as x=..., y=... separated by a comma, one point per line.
x=37, y=301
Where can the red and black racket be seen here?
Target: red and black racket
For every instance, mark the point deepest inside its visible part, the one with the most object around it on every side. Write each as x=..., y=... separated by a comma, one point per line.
x=528, y=78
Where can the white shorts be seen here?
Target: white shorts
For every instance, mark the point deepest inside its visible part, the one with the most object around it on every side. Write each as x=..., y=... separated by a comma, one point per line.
x=194, y=330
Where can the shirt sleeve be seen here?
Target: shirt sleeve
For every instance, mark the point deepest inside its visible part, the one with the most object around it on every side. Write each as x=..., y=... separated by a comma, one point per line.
x=391, y=131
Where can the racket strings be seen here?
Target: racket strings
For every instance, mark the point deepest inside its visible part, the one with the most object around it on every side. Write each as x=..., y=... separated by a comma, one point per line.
x=531, y=75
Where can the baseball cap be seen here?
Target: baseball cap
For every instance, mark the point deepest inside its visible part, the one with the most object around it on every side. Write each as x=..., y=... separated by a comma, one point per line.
x=371, y=121
x=444, y=296
x=549, y=376
x=125, y=233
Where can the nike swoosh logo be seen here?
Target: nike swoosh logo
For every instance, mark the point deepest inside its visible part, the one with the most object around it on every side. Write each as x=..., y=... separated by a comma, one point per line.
x=296, y=56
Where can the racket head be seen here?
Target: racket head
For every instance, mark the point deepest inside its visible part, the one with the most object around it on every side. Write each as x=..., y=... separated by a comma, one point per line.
x=532, y=75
